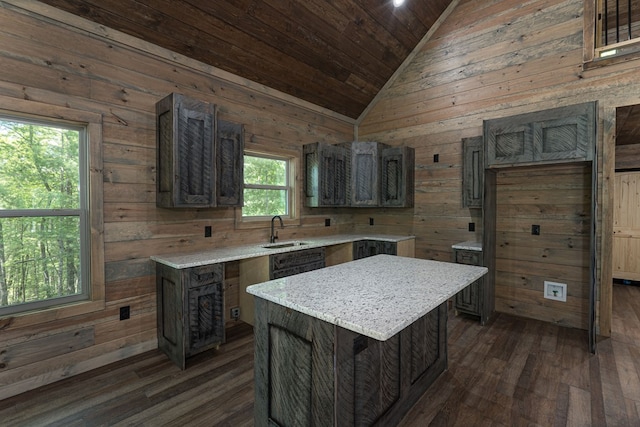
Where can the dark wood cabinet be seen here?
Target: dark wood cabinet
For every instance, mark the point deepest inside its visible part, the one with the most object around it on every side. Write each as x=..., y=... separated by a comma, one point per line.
x=295, y=262
x=327, y=173
x=229, y=149
x=199, y=159
x=367, y=248
x=190, y=307
x=365, y=173
x=471, y=300
x=185, y=133
x=397, y=177
x=358, y=174
x=559, y=134
x=472, y=172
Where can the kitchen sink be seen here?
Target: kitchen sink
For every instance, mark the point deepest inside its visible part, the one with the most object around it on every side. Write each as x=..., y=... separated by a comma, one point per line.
x=283, y=245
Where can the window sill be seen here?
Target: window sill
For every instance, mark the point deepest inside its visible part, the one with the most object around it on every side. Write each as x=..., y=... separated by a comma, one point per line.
x=242, y=223
x=610, y=60
x=45, y=315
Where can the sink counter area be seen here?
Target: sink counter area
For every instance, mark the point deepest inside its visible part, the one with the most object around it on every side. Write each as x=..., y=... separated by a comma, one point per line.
x=234, y=253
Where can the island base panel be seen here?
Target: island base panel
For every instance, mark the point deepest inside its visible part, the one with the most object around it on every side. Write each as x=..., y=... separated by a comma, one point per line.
x=373, y=383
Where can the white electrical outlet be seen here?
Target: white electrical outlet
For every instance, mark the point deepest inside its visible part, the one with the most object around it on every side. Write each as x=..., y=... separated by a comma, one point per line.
x=555, y=291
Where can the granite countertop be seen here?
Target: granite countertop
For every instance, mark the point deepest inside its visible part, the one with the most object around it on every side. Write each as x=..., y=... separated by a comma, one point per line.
x=377, y=296
x=233, y=253
x=469, y=245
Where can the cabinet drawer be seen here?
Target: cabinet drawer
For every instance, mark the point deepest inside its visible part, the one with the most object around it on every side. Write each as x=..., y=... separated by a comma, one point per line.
x=205, y=275
x=468, y=257
x=290, y=263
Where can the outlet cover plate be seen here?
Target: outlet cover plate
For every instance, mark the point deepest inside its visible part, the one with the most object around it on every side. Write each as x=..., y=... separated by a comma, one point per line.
x=555, y=291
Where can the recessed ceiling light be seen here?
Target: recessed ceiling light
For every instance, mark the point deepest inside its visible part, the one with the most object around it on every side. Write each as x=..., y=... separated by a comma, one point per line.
x=397, y=3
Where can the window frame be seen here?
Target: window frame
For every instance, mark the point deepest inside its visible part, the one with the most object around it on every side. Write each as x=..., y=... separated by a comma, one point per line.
x=591, y=35
x=287, y=187
x=293, y=162
x=92, y=259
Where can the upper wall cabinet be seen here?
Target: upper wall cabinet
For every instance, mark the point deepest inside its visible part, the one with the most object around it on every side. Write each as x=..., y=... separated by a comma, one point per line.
x=556, y=135
x=365, y=173
x=229, y=150
x=199, y=161
x=398, y=172
x=472, y=172
x=358, y=174
x=327, y=173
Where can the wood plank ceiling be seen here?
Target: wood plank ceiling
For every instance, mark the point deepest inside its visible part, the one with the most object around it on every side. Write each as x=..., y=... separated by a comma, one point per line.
x=336, y=54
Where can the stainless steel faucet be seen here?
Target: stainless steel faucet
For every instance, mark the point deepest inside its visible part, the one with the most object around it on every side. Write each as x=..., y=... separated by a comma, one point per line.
x=273, y=237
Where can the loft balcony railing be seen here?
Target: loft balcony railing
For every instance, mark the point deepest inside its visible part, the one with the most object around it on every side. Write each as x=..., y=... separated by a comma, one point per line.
x=618, y=27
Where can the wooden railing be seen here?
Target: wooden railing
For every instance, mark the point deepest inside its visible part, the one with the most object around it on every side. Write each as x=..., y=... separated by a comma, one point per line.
x=617, y=26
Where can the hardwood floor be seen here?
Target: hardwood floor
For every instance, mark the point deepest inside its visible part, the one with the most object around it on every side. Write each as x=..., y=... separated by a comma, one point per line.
x=510, y=373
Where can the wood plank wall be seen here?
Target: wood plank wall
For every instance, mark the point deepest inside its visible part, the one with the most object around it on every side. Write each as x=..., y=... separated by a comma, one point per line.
x=558, y=199
x=493, y=59
x=121, y=78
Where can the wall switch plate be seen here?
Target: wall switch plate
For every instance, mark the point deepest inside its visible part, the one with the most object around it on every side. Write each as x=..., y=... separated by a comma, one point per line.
x=370, y=221
x=436, y=158
x=327, y=222
x=125, y=312
x=555, y=291
x=535, y=230
x=207, y=231
x=472, y=226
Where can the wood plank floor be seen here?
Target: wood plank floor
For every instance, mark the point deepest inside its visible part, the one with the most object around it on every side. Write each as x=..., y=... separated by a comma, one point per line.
x=513, y=372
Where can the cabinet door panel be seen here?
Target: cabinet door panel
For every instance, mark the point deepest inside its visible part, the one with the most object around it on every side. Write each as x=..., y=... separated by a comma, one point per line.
x=206, y=319
x=561, y=139
x=229, y=164
x=508, y=143
x=365, y=173
x=473, y=172
x=397, y=176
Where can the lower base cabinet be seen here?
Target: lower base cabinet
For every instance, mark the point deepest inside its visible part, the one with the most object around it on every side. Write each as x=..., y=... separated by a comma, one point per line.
x=311, y=373
x=471, y=299
x=367, y=248
x=190, y=310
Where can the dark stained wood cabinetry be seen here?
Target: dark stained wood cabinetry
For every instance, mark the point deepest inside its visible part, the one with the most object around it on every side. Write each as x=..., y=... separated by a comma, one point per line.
x=229, y=149
x=199, y=159
x=472, y=172
x=559, y=134
x=327, y=173
x=185, y=133
x=365, y=173
x=367, y=248
x=371, y=382
x=397, y=177
x=475, y=298
x=190, y=306
x=358, y=174
x=295, y=262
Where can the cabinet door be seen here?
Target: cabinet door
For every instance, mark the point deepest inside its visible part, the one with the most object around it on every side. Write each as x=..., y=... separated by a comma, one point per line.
x=397, y=187
x=472, y=172
x=365, y=173
x=508, y=142
x=206, y=317
x=468, y=299
x=326, y=175
x=229, y=164
x=185, y=137
x=567, y=135
x=334, y=175
x=295, y=262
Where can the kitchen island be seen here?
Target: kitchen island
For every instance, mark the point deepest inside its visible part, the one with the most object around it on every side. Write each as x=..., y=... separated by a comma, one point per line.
x=352, y=344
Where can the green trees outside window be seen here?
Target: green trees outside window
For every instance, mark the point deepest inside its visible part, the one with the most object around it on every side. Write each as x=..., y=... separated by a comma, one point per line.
x=42, y=214
x=266, y=186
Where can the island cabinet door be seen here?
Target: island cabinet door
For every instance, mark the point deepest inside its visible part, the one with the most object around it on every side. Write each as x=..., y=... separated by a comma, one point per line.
x=379, y=381
x=294, y=374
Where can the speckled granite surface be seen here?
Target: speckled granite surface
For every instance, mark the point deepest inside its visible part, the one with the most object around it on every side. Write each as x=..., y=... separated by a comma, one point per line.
x=470, y=246
x=377, y=296
x=234, y=253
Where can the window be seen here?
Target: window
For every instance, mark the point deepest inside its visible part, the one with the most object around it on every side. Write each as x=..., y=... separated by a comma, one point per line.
x=617, y=27
x=44, y=231
x=267, y=188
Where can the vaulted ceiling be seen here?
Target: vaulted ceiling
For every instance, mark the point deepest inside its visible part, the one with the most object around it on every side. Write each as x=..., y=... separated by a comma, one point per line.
x=337, y=54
